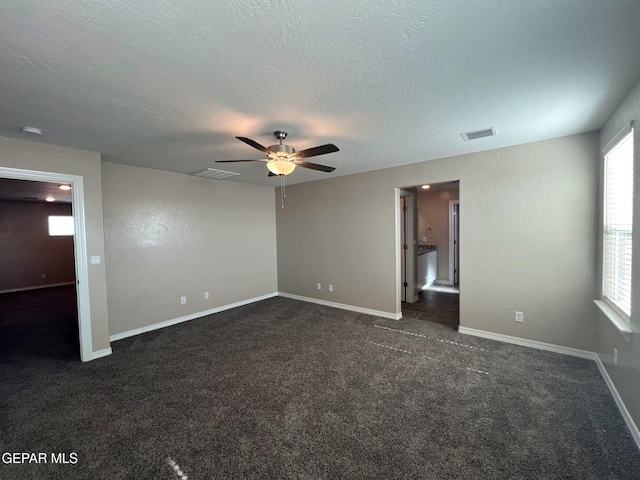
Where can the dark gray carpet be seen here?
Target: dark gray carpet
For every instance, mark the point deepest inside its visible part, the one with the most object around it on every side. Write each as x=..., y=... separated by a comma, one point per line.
x=285, y=389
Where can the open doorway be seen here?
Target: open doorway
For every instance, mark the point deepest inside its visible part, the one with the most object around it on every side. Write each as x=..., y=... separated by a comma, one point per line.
x=437, y=255
x=76, y=301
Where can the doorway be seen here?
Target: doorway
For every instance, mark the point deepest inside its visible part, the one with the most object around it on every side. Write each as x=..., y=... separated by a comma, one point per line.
x=437, y=234
x=80, y=247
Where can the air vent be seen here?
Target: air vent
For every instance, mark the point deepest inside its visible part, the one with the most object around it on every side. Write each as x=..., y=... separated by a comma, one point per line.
x=214, y=174
x=485, y=132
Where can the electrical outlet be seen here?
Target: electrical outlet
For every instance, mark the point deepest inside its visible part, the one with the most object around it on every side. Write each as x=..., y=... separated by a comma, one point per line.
x=330, y=288
x=183, y=300
x=206, y=295
x=318, y=286
x=519, y=317
x=615, y=357
x=424, y=239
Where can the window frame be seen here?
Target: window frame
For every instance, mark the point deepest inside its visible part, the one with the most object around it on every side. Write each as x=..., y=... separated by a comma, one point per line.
x=610, y=308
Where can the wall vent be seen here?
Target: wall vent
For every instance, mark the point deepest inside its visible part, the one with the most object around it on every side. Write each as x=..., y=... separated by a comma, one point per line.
x=485, y=132
x=214, y=174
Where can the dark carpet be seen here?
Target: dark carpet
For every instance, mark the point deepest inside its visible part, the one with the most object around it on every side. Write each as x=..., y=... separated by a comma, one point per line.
x=285, y=389
x=41, y=322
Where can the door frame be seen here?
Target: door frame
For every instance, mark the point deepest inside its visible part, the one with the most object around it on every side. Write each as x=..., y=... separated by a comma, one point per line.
x=453, y=246
x=79, y=246
x=410, y=203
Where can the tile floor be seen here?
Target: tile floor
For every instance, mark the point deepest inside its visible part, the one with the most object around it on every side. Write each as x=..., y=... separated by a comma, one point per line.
x=437, y=304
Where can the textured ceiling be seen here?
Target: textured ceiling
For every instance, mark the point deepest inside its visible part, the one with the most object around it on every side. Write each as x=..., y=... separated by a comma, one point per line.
x=168, y=84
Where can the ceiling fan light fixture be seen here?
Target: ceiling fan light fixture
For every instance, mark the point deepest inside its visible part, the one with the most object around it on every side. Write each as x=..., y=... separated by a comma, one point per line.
x=281, y=167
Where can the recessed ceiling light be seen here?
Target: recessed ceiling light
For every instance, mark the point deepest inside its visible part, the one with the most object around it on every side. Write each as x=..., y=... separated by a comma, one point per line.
x=50, y=199
x=426, y=187
x=32, y=130
x=65, y=187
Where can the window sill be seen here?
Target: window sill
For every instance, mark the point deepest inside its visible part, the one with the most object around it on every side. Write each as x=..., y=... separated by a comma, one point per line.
x=618, y=321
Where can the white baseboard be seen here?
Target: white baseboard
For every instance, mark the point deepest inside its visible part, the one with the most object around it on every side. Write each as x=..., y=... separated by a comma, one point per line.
x=633, y=428
x=343, y=306
x=574, y=352
x=101, y=353
x=36, y=287
x=186, y=318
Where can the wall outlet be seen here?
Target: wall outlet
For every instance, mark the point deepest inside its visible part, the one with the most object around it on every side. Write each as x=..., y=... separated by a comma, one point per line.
x=43, y=275
x=318, y=286
x=519, y=317
x=615, y=357
x=424, y=239
x=183, y=300
x=206, y=295
x=330, y=288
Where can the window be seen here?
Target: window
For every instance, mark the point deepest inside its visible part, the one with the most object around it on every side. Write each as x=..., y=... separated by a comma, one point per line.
x=60, y=225
x=617, y=226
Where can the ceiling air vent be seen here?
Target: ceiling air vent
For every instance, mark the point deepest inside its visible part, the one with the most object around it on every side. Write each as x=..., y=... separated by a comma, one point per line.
x=485, y=132
x=214, y=174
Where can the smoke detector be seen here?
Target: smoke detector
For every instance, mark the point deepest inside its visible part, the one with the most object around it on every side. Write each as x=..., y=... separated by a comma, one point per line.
x=31, y=130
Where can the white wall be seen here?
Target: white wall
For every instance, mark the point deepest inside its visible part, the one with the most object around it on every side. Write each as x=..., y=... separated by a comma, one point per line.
x=626, y=375
x=169, y=235
x=528, y=223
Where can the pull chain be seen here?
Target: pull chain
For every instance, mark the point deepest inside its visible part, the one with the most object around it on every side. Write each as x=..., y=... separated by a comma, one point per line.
x=282, y=191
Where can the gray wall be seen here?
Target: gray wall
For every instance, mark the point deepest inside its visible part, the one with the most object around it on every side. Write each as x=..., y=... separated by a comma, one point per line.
x=433, y=211
x=26, y=249
x=34, y=156
x=169, y=235
x=625, y=376
x=527, y=230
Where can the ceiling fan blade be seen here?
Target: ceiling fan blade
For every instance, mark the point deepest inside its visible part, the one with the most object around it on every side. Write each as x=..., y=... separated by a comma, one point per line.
x=254, y=144
x=271, y=174
x=314, y=166
x=315, y=151
x=233, y=161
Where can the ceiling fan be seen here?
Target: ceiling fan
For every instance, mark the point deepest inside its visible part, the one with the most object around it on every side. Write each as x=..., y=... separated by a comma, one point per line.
x=283, y=159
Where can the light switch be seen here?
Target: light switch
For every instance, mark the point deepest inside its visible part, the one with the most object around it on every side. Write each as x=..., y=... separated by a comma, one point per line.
x=95, y=260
